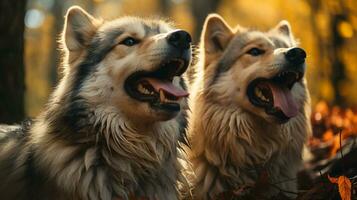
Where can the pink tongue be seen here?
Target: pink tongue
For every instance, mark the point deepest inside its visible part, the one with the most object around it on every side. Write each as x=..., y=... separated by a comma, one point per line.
x=284, y=100
x=167, y=86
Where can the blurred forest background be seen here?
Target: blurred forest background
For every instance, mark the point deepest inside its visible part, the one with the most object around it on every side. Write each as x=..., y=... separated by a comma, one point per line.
x=29, y=30
x=326, y=29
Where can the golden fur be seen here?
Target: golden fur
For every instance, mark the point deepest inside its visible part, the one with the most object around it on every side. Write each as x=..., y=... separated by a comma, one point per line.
x=234, y=143
x=93, y=141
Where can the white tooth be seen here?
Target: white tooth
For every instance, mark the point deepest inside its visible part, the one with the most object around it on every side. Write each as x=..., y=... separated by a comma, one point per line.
x=259, y=93
x=264, y=98
x=176, y=80
x=141, y=88
x=162, y=96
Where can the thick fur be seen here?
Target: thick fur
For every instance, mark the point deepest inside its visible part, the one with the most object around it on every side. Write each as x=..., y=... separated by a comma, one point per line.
x=233, y=143
x=93, y=141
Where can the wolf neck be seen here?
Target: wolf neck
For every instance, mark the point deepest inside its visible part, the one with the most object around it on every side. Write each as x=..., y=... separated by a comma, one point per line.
x=241, y=129
x=230, y=133
x=102, y=143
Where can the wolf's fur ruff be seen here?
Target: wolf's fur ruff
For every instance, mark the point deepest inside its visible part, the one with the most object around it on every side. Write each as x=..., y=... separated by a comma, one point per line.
x=93, y=141
x=233, y=143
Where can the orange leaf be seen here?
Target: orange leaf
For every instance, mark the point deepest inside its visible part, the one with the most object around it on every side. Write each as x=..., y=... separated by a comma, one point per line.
x=328, y=135
x=332, y=179
x=344, y=186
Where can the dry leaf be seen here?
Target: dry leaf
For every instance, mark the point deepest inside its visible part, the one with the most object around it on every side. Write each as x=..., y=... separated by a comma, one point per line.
x=344, y=186
x=332, y=179
x=328, y=135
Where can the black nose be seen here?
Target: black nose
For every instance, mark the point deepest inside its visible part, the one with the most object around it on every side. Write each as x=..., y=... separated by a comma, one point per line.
x=296, y=56
x=180, y=39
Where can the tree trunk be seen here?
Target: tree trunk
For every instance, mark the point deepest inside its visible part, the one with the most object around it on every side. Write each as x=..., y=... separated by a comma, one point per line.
x=12, y=73
x=331, y=49
x=200, y=9
x=338, y=66
x=165, y=7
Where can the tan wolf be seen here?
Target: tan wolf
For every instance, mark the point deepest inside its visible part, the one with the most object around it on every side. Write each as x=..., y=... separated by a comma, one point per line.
x=250, y=112
x=112, y=126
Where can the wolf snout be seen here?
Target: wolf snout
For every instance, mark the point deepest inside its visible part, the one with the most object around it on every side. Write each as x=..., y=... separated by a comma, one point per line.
x=295, y=56
x=180, y=39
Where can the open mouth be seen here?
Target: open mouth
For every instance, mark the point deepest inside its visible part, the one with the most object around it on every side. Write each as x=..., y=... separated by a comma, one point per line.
x=275, y=95
x=157, y=87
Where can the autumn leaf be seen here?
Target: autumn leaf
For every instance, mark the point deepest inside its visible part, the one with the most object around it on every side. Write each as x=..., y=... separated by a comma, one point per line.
x=344, y=186
x=332, y=179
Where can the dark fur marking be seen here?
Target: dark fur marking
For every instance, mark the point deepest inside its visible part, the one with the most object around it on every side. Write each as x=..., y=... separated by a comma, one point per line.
x=98, y=49
x=158, y=29
x=217, y=43
x=278, y=43
x=228, y=58
x=30, y=173
x=183, y=84
x=79, y=37
x=147, y=29
x=77, y=111
x=220, y=69
x=151, y=29
x=182, y=119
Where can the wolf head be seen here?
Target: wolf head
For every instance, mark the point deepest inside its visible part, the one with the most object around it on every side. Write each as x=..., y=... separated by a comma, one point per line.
x=261, y=72
x=129, y=66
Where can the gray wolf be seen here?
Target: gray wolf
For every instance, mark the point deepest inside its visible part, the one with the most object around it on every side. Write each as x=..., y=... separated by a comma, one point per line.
x=112, y=126
x=250, y=112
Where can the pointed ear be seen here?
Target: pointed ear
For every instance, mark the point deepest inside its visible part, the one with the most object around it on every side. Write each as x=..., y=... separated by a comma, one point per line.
x=79, y=28
x=284, y=28
x=216, y=34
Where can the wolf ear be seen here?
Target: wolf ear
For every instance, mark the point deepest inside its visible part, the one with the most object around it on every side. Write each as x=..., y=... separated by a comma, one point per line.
x=216, y=34
x=284, y=28
x=79, y=28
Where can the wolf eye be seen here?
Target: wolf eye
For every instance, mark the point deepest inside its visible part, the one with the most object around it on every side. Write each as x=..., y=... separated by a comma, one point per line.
x=255, y=51
x=129, y=41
